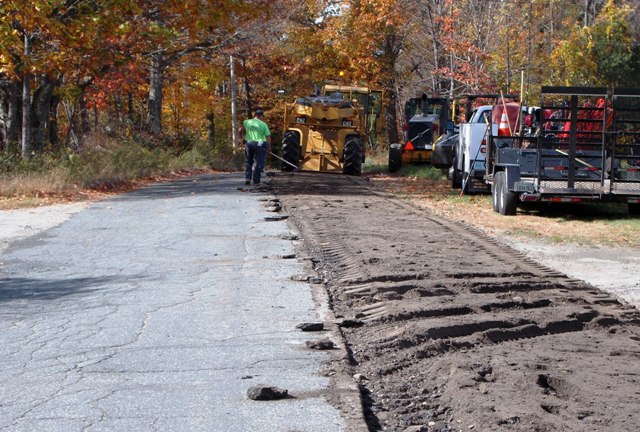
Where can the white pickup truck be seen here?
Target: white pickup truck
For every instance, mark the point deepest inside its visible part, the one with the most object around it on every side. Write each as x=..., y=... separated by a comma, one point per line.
x=469, y=160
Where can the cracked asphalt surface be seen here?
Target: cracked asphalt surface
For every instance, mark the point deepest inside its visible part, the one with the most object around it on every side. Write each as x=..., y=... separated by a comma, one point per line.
x=157, y=310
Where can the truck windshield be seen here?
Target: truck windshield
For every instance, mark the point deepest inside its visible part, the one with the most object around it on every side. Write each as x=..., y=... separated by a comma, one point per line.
x=431, y=109
x=480, y=115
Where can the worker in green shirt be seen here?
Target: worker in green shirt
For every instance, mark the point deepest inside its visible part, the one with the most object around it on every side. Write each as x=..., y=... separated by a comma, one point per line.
x=258, y=142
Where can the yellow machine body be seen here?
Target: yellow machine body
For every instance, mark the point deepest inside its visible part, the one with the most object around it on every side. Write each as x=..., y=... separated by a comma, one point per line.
x=323, y=127
x=328, y=132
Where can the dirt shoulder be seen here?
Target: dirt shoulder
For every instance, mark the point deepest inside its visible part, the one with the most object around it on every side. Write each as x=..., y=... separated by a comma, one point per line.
x=598, y=245
x=449, y=329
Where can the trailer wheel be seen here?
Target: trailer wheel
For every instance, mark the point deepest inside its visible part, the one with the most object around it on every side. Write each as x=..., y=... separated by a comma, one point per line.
x=290, y=150
x=395, y=157
x=634, y=209
x=353, y=152
x=495, y=200
x=507, y=200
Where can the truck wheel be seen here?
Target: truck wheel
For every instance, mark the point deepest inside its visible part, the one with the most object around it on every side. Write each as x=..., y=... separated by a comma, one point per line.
x=395, y=157
x=456, y=181
x=290, y=150
x=507, y=200
x=634, y=209
x=353, y=152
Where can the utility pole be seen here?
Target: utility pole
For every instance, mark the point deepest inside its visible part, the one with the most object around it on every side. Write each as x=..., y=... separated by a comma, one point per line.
x=233, y=103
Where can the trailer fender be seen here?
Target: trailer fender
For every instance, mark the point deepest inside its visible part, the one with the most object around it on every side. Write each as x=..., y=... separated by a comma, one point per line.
x=512, y=174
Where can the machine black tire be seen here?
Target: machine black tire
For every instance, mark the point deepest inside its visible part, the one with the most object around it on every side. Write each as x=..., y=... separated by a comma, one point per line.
x=634, y=209
x=395, y=157
x=456, y=182
x=353, y=151
x=507, y=200
x=290, y=150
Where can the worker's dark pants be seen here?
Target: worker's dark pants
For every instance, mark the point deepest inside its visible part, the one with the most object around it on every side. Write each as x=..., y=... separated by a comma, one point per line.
x=255, y=156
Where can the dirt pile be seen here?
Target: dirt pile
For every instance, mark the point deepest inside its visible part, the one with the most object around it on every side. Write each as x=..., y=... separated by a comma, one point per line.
x=460, y=332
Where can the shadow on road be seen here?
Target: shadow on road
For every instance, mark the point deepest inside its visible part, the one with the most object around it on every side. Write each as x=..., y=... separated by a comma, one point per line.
x=587, y=212
x=198, y=185
x=43, y=289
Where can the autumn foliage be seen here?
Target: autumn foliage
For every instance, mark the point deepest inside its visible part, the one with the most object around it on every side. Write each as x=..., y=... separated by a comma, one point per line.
x=160, y=70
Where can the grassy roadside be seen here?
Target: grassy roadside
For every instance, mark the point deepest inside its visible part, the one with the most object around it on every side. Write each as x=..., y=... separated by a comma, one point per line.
x=105, y=166
x=118, y=166
x=589, y=224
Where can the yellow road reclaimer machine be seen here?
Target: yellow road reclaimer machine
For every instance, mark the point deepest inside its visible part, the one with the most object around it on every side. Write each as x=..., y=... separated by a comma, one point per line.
x=328, y=132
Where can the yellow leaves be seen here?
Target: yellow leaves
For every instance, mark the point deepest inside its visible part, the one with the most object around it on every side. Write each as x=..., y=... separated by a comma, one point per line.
x=587, y=35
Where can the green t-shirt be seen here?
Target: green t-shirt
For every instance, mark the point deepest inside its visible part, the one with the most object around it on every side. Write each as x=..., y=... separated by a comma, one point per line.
x=255, y=130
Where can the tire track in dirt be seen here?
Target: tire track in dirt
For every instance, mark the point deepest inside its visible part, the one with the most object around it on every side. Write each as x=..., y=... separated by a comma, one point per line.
x=458, y=330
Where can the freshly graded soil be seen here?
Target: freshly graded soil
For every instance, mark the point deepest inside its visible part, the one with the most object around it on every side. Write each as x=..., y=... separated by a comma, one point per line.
x=459, y=331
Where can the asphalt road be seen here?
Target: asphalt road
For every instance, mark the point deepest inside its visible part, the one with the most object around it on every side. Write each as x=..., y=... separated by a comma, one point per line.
x=156, y=311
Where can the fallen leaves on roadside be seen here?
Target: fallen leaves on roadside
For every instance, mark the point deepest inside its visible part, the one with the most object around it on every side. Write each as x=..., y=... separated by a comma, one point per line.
x=95, y=193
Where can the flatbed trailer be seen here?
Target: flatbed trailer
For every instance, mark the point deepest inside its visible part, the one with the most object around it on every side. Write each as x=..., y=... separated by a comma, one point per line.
x=586, y=148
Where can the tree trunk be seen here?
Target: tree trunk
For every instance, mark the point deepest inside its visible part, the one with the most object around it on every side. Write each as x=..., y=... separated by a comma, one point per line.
x=9, y=115
x=26, y=105
x=211, y=128
x=53, y=121
x=13, y=119
x=508, y=59
x=26, y=117
x=154, y=118
x=130, y=109
x=435, y=44
x=41, y=107
x=587, y=4
x=391, y=49
x=85, y=124
x=247, y=91
x=392, y=117
x=117, y=107
x=4, y=110
x=72, y=136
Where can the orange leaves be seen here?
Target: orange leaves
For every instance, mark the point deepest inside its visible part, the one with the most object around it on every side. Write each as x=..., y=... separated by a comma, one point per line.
x=119, y=81
x=371, y=34
x=63, y=39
